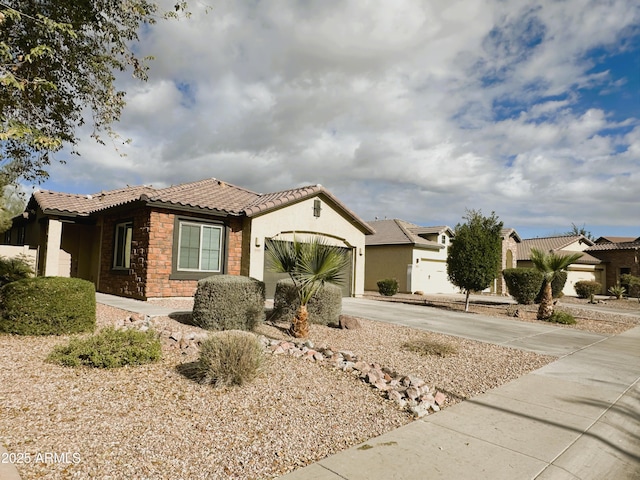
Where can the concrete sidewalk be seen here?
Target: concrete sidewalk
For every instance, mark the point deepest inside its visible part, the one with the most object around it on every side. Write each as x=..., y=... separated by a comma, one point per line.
x=576, y=418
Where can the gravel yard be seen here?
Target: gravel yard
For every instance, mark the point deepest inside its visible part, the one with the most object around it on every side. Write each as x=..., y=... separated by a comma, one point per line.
x=152, y=422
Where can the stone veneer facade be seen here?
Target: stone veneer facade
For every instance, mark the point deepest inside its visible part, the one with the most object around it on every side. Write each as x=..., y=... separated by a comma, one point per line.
x=151, y=267
x=617, y=259
x=509, y=260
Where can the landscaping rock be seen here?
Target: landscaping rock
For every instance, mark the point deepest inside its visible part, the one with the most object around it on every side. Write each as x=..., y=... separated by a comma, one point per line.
x=349, y=323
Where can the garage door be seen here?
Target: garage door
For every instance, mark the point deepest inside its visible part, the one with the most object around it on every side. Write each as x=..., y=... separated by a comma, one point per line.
x=270, y=278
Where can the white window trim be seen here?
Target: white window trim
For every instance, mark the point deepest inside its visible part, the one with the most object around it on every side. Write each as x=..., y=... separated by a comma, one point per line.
x=201, y=227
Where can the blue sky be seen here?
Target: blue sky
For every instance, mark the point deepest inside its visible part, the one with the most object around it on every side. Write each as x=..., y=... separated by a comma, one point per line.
x=417, y=111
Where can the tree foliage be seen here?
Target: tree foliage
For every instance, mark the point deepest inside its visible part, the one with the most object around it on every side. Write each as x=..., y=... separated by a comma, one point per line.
x=58, y=60
x=576, y=230
x=473, y=259
x=309, y=265
x=551, y=265
x=11, y=204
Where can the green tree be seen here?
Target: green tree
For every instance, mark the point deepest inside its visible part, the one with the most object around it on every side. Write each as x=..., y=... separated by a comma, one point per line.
x=57, y=62
x=575, y=230
x=473, y=259
x=309, y=265
x=550, y=265
x=11, y=204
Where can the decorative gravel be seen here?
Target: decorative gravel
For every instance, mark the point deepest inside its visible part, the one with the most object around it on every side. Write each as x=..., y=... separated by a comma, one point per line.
x=152, y=422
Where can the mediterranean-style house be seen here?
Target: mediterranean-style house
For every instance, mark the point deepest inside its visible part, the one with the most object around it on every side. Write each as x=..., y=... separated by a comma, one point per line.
x=620, y=255
x=587, y=267
x=144, y=242
x=415, y=256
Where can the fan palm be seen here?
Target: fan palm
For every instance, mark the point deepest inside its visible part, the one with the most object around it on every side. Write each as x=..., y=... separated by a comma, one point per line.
x=309, y=265
x=550, y=265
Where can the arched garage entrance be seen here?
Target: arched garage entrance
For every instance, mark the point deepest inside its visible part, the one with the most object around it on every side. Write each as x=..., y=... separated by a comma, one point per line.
x=271, y=278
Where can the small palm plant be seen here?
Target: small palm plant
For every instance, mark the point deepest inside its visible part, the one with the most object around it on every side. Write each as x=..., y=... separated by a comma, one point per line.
x=550, y=265
x=309, y=265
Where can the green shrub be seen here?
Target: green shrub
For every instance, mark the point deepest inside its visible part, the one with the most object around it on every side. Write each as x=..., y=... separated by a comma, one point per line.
x=562, y=317
x=16, y=268
x=388, y=287
x=426, y=346
x=110, y=348
x=617, y=291
x=586, y=288
x=523, y=284
x=48, y=306
x=632, y=283
x=228, y=302
x=556, y=287
x=232, y=357
x=324, y=307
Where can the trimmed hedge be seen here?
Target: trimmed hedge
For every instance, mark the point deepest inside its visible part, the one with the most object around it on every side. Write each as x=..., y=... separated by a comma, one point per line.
x=586, y=288
x=228, y=302
x=324, y=307
x=523, y=284
x=48, y=306
x=387, y=287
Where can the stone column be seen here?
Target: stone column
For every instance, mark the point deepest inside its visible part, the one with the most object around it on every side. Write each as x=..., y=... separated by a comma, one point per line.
x=54, y=238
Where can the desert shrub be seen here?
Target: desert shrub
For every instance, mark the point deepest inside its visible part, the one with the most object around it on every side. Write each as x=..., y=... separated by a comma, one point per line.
x=427, y=346
x=48, y=306
x=523, y=283
x=562, y=317
x=232, y=357
x=13, y=269
x=228, y=302
x=110, y=348
x=617, y=291
x=586, y=288
x=557, y=284
x=388, y=286
x=632, y=283
x=324, y=307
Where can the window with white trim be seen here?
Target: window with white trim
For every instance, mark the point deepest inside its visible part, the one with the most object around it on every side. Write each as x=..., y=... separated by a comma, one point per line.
x=200, y=247
x=122, y=245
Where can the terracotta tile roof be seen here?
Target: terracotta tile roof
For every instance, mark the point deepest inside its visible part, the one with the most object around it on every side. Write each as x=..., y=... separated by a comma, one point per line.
x=83, y=205
x=399, y=232
x=557, y=245
x=600, y=240
x=269, y=201
x=209, y=194
x=615, y=246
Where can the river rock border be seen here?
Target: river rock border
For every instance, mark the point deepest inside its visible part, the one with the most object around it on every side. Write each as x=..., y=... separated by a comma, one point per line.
x=407, y=391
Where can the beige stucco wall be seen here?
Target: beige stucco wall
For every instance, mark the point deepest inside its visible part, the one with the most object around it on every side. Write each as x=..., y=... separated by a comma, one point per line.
x=387, y=261
x=576, y=273
x=331, y=224
x=429, y=271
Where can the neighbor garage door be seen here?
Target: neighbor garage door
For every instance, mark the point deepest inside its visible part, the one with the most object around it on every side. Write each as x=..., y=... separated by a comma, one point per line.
x=270, y=278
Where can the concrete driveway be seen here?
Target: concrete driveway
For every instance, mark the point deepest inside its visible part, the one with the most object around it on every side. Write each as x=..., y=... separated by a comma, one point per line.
x=546, y=339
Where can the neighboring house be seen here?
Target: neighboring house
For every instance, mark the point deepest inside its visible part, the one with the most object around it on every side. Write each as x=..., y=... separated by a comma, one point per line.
x=510, y=242
x=415, y=256
x=587, y=267
x=144, y=242
x=620, y=255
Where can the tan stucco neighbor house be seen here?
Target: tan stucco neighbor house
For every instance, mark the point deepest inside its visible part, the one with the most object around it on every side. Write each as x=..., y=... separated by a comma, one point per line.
x=587, y=267
x=415, y=256
x=145, y=242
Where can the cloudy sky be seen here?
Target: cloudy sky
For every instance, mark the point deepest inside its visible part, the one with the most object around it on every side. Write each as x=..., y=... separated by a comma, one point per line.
x=407, y=109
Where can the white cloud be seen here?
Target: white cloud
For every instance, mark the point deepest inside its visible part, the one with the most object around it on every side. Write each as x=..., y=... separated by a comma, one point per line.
x=415, y=109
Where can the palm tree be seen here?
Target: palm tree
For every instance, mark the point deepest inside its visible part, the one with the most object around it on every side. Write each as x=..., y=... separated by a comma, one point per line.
x=550, y=265
x=309, y=265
